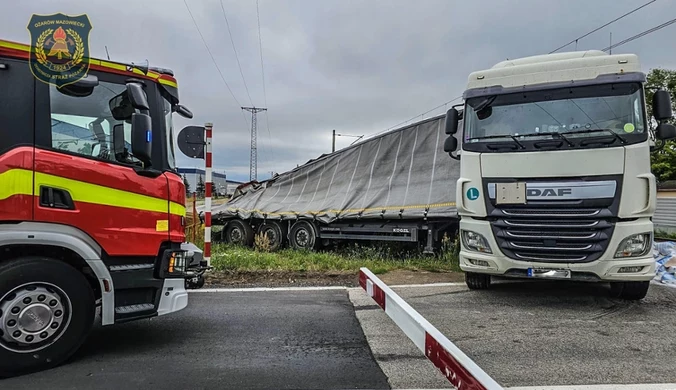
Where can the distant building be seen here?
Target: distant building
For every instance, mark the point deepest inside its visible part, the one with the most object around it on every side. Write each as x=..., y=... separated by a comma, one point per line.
x=222, y=186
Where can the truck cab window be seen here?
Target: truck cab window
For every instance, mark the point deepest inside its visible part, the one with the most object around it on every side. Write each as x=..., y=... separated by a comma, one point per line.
x=85, y=125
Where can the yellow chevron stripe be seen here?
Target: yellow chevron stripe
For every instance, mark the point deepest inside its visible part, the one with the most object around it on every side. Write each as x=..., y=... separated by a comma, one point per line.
x=18, y=181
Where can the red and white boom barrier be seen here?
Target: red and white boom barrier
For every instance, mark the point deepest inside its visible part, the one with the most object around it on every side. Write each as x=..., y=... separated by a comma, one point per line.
x=457, y=367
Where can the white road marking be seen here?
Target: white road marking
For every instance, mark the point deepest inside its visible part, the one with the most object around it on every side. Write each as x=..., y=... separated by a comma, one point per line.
x=311, y=288
x=653, y=386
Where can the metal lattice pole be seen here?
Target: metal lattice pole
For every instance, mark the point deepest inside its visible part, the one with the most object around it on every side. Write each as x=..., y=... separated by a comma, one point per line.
x=253, y=161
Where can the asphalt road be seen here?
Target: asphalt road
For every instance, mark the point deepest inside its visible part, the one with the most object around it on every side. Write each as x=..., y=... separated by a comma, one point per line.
x=249, y=340
x=533, y=333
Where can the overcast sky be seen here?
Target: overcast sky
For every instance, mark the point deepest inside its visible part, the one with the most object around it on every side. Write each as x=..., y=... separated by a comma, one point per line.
x=355, y=66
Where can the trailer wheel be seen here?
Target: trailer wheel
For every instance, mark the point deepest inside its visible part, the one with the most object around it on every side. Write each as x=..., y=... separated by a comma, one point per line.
x=477, y=281
x=273, y=230
x=630, y=291
x=46, y=312
x=302, y=235
x=238, y=232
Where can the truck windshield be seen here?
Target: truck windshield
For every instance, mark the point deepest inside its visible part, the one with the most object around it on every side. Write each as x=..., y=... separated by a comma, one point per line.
x=616, y=108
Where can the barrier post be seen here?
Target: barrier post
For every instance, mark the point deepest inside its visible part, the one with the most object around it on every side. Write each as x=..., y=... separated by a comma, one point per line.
x=195, y=217
x=207, y=198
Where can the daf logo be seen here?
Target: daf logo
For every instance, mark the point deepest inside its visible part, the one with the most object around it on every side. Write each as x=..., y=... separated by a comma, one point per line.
x=535, y=192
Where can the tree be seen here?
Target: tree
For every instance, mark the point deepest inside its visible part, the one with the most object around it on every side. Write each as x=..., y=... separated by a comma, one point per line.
x=187, y=185
x=663, y=162
x=200, y=186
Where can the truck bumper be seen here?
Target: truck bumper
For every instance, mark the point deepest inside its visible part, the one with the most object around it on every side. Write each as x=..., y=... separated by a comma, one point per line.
x=174, y=297
x=604, y=269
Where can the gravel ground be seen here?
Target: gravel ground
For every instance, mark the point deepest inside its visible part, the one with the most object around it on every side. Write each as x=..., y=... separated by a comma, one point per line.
x=532, y=333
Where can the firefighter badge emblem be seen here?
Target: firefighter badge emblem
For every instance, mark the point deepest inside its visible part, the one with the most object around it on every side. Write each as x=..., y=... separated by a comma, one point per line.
x=59, y=48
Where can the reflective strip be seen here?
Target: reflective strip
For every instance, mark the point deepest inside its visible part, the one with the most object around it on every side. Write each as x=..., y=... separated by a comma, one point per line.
x=176, y=209
x=18, y=181
x=162, y=79
x=388, y=208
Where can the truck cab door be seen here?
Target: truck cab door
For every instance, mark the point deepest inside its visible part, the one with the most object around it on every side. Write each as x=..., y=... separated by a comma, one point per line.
x=17, y=88
x=86, y=176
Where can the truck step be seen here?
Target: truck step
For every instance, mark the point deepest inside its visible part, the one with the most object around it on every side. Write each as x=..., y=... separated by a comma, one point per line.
x=130, y=267
x=134, y=308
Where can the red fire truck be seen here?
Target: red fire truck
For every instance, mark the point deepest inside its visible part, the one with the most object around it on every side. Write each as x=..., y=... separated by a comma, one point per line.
x=92, y=209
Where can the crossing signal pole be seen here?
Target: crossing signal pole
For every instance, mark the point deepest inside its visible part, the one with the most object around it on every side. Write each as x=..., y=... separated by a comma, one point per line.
x=253, y=161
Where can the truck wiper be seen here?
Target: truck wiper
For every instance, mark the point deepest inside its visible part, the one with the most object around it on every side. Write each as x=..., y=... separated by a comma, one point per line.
x=552, y=133
x=499, y=136
x=617, y=136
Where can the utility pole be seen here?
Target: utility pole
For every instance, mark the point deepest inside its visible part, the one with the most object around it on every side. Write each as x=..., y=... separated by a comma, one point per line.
x=253, y=161
x=333, y=146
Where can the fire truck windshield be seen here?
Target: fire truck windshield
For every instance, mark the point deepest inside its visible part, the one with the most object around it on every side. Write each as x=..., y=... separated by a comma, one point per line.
x=85, y=124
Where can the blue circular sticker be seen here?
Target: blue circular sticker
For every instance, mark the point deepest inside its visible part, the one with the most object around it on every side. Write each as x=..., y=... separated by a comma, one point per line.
x=472, y=193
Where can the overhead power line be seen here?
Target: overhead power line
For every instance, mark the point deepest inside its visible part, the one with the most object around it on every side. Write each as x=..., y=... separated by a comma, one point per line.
x=210, y=54
x=235, y=50
x=260, y=47
x=605, y=25
x=419, y=115
x=639, y=35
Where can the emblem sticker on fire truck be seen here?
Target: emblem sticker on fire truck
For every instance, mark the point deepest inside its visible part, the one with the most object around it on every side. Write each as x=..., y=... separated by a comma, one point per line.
x=59, y=48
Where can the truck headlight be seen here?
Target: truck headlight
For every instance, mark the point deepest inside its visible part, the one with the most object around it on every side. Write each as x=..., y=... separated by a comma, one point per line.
x=634, y=246
x=475, y=242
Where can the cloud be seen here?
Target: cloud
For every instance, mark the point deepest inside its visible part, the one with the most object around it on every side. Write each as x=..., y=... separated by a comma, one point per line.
x=357, y=67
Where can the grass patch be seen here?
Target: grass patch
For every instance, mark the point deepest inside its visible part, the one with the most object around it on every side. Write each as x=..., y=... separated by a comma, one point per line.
x=379, y=259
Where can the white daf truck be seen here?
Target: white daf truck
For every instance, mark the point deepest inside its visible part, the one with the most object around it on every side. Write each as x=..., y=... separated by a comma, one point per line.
x=555, y=170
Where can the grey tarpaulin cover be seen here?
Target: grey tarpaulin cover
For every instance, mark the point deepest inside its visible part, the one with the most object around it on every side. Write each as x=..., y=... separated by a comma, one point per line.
x=400, y=174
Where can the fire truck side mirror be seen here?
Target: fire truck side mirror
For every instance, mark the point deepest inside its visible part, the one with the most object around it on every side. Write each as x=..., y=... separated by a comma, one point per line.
x=142, y=138
x=138, y=97
x=183, y=111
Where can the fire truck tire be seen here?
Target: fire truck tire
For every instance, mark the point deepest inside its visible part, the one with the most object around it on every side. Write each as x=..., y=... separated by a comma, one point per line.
x=273, y=231
x=303, y=235
x=238, y=232
x=46, y=312
x=477, y=281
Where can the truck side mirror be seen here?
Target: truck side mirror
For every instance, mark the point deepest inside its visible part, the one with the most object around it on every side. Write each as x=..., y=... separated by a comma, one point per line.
x=137, y=96
x=183, y=111
x=450, y=145
x=452, y=118
x=142, y=138
x=662, y=105
x=665, y=131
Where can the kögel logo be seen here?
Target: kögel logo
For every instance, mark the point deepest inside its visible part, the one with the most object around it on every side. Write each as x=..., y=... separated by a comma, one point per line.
x=60, y=48
x=549, y=191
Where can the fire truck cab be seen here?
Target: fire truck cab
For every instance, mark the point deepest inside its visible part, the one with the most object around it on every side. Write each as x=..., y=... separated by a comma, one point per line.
x=92, y=210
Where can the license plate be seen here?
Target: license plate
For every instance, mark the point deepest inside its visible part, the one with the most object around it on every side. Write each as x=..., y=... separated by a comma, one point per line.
x=546, y=273
x=511, y=193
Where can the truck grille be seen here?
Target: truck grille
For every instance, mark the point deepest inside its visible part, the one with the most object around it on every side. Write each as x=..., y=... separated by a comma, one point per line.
x=552, y=236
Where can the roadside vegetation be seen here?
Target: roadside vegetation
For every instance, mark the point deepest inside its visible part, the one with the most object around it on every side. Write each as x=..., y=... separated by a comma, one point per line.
x=347, y=259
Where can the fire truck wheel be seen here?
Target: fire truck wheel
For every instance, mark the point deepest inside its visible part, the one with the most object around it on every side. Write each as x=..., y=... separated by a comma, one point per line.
x=46, y=312
x=274, y=233
x=302, y=235
x=238, y=232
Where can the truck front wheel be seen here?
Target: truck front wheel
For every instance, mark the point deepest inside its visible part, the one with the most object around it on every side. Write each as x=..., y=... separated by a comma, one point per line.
x=631, y=291
x=477, y=281
x=46, y=312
